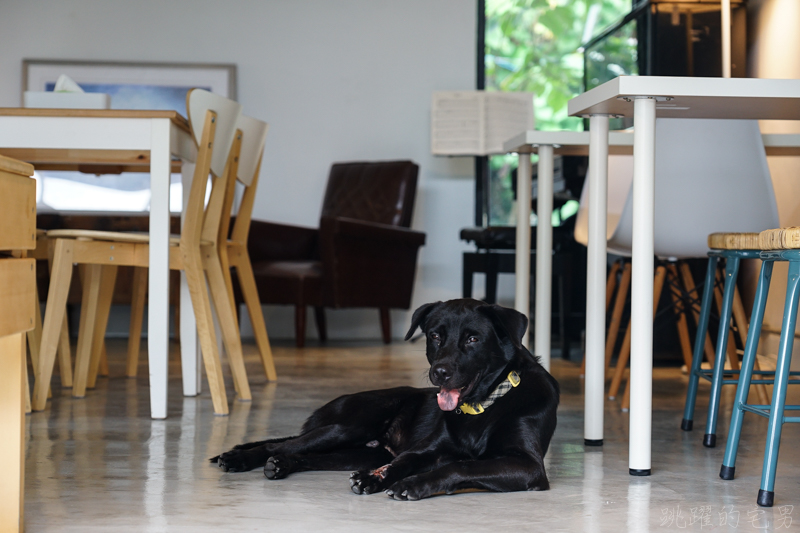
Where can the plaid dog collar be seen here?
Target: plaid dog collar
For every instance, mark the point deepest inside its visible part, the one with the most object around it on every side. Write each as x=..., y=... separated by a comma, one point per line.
x=506, y=385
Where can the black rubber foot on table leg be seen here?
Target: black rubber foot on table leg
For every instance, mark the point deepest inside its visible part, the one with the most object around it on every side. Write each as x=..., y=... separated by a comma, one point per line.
x=765, y=498
x=686, y=425
x=635, y=472
x=591, y=442
x=726, y=472
x=709, y=440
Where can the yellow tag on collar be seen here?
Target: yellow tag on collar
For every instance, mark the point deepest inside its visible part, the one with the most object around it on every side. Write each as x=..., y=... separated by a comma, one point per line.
x=471, y=409
x=476, y=409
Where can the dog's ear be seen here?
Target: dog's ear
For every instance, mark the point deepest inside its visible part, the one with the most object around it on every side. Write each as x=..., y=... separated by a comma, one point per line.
x=419, y=316
x=508, y=322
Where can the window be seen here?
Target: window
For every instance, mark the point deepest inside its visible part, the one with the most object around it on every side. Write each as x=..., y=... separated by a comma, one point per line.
x=536, y=46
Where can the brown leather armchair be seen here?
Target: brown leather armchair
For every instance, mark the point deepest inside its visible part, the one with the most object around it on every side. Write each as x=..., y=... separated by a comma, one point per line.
x=362, y=255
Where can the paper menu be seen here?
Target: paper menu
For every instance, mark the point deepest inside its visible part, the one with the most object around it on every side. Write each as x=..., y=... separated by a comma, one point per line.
x=477, y=122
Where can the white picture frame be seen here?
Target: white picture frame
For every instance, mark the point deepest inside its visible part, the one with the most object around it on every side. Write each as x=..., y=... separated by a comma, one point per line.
x=131, y=85
x=134, y=85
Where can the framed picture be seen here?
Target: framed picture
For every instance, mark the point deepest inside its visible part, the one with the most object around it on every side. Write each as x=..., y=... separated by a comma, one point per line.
x=134, y=85
x=131, y=86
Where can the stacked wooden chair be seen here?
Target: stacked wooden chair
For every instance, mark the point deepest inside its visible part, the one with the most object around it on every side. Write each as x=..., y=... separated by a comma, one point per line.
x=232, y=251
x=213, y=120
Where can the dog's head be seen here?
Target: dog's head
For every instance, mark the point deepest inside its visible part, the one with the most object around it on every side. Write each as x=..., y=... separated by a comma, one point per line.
x=469, y=344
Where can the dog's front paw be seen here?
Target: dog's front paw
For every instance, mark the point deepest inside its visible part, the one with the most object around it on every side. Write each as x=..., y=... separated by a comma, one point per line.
x=409, y=489
x=369, y=481
x=278, y=467
x=237, y=461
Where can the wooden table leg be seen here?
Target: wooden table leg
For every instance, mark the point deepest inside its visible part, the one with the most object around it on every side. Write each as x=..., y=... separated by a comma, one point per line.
x=12, y=445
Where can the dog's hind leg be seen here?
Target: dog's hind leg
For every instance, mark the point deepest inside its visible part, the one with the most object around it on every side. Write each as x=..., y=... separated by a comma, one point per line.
x=248, y=445
x=280, y=466
x=318, y=440
x=238, y=458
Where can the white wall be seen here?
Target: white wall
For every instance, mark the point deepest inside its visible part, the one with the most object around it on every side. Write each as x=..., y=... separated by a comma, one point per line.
x=337, y=80
x=774, y=52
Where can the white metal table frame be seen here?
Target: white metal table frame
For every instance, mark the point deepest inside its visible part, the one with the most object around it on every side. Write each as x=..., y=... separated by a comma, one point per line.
x=645, y=98
x=547, y=144
x=162, y=138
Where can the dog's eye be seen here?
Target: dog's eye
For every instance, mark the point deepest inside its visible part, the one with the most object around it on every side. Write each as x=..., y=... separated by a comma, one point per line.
x=434, y=336
x=472, y=339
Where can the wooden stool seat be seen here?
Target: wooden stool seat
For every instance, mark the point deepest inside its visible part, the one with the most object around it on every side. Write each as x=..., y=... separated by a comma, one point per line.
x=734, y=241
x=780, y=239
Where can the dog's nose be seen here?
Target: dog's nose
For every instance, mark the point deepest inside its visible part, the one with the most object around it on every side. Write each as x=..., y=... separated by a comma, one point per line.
x=441, y=374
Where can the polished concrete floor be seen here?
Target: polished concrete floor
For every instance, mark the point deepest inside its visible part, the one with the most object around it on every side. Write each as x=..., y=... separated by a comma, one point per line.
x=101, y=464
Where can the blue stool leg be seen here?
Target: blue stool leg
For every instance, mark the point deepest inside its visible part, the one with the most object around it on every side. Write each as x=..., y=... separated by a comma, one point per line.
x=731, y=271
x=750, y=350
x=766, y=494
x=699, y=343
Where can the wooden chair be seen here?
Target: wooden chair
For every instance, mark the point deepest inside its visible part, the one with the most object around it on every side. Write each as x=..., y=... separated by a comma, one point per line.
x=17, y=285
x=213, y=122
x=232, y=252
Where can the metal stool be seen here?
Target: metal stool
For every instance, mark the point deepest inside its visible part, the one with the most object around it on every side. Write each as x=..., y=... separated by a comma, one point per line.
x=732, y=247
x=780, y=245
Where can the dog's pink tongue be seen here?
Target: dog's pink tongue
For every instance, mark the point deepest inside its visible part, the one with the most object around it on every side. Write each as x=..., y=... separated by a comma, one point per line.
x=448, y=399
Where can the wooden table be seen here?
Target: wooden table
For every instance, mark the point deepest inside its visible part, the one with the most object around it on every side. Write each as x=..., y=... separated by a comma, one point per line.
x=17, y=283
x=125, y=140
x=645, y=98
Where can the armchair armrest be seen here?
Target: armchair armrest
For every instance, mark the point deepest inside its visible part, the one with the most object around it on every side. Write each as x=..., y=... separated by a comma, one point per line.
x=361, y=229
x=366, y=264
x=270, y=241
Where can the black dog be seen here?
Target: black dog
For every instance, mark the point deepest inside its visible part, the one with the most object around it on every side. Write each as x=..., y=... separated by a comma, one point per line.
x=487, y=427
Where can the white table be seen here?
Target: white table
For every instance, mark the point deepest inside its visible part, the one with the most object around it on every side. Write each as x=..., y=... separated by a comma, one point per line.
x=138, y=140
x=645, y=98
x=547, y=144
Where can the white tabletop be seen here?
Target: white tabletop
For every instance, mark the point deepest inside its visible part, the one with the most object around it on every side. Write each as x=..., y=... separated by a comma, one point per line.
x=735, y=98
x=621, y=142
x=567, y=142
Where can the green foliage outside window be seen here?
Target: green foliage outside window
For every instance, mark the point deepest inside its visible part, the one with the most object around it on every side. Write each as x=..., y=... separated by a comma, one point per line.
x=535, y=46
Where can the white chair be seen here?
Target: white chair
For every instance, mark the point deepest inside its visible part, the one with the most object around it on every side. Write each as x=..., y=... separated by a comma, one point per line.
x=711, y=176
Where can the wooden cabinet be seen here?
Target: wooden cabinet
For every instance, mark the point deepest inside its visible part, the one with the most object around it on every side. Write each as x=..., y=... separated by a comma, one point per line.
x=17, y=304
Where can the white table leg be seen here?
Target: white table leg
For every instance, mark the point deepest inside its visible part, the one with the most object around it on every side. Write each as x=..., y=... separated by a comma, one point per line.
x=641, y=375
x=522, y=270
x=190, y=347
x=544, y=256
x=158, y=308
x=594, y=396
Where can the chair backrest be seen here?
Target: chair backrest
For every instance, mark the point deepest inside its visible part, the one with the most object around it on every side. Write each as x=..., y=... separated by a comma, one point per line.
x=198, y=102
x=212, y=119
x=381, y=191
x=254, y=137
x=711, y=176
x=620, y=176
